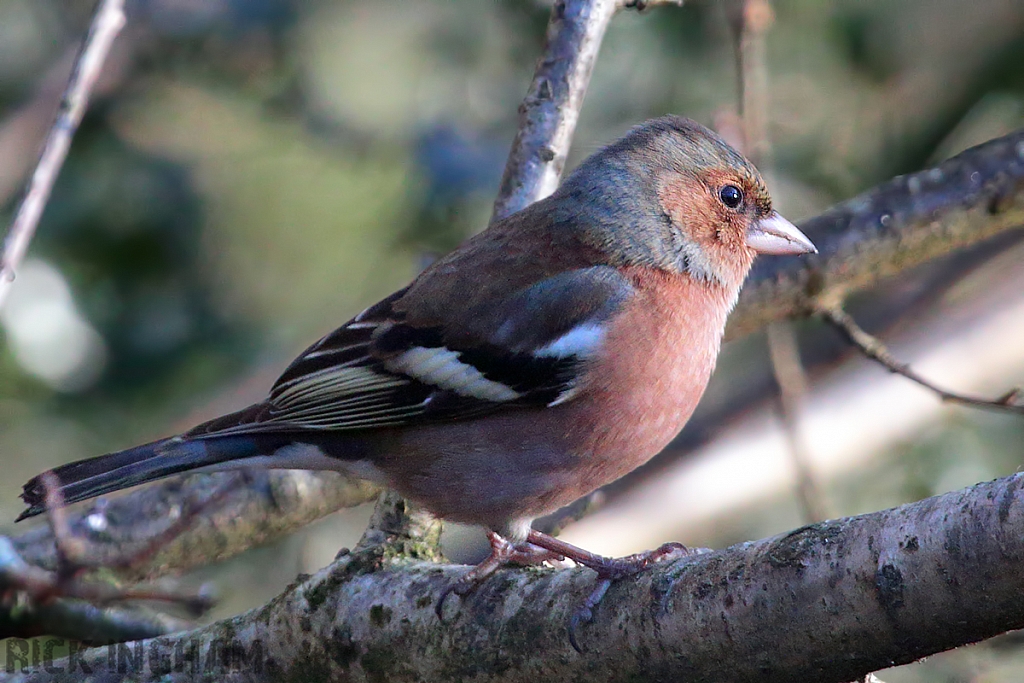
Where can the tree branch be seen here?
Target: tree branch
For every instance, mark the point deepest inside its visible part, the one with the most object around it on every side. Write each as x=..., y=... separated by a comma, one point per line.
x=157, y=530
x=274, y=503
x=108, y=19
x=548, y=114
x=893, y=227
x=405, y=530
x=882, y=589
x=873, y=348
x=751, y=20
x=69, y=617
x=45, y=596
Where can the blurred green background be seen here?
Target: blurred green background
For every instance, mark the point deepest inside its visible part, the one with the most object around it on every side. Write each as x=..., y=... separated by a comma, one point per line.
x=254, y=172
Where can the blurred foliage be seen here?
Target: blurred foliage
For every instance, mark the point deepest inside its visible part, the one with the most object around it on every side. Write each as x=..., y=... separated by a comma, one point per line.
x=262, y=169
x=124, y=226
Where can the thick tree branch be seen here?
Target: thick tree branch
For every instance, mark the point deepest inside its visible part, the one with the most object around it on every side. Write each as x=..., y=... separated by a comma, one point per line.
x=827, y=602
x=893, y=227
x=108, y=19
x=272, y=504
x=157, y=530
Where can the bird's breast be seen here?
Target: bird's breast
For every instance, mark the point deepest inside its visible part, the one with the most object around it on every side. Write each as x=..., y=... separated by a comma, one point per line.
x=652, y=370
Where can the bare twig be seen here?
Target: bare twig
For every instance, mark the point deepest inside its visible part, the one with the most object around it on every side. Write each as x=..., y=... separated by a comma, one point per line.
x=873, y=348
x=276, y=503
x=68, y=618
x=75, y=555
x=24, y=127
x=554, y=523
x=548, y=114
x=108, y=19
x=792, y=381
x=75, y=552
x=751, y=20
x=70, y=549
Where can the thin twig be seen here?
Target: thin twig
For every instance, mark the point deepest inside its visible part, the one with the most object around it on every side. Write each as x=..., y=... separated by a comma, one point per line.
x=108, y=19
x=873, y=348
x=554, y=523
x=750, y=21
x=76, y=619
x=192, y=508
x=45, y=587
x=71, y=550
x=277, y=503
x=76, y=555
x=792, y=381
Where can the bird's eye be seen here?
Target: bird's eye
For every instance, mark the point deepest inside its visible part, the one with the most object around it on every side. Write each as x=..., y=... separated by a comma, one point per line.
x=731, y=196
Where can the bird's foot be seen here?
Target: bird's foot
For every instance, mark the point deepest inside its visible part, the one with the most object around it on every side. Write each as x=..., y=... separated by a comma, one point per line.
x=540, y=547
x=609, y=569
x=503, y=552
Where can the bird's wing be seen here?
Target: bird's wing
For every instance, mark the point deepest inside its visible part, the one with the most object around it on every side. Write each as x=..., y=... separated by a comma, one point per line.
x=388, y=367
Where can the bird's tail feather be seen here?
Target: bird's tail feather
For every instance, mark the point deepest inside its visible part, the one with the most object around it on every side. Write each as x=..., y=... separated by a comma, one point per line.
x=107, y=473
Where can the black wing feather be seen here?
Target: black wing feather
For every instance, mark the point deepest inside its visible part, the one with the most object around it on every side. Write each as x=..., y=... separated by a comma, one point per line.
x=352, y=379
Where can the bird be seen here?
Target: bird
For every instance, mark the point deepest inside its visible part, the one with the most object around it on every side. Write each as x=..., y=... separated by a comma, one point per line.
x=548, y=355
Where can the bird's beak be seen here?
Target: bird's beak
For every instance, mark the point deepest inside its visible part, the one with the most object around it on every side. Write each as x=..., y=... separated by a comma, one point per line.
x=775, y=235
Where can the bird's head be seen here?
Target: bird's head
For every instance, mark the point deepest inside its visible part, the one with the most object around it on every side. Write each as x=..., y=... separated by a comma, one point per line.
x=674, y=195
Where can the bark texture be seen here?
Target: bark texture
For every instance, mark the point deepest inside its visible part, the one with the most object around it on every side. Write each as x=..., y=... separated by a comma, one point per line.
x=827, y=602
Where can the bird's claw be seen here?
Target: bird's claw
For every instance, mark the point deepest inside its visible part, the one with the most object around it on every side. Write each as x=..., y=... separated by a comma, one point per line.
x=585, y=613
x=540, y=548
x=461, y=587
x=616, y=569
x=503, y=552
x=439, y=605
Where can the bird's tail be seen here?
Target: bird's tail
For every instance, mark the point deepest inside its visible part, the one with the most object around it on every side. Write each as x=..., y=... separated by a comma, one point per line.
x=107, y=473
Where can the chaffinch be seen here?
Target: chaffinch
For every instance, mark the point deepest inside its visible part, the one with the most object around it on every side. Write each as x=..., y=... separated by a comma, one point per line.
x=547, y=356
